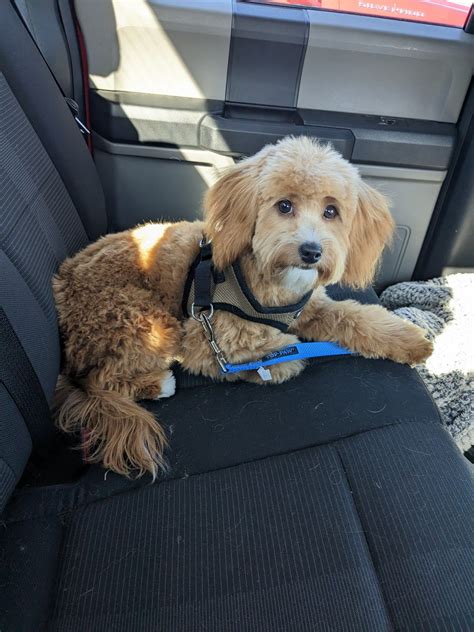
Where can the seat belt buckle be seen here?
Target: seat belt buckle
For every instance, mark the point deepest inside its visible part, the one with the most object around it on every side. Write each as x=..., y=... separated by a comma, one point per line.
x=75, y=112
x=82, y=128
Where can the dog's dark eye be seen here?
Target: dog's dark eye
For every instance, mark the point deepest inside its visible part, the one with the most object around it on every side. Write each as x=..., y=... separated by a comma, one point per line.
x=330, y=212
x=285, y=206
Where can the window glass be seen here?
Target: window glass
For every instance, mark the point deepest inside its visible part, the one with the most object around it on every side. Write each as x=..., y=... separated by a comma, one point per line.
x=443, y=12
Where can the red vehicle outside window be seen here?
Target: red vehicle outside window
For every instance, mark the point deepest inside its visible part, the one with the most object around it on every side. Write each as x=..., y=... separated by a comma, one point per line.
x=443, y=12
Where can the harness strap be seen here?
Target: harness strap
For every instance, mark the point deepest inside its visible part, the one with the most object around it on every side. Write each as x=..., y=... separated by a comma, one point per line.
x=203, y=277
x=299, y=351
x=208, y=289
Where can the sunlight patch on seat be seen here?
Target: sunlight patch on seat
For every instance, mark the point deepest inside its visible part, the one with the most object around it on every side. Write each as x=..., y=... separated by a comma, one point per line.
x=454, y=346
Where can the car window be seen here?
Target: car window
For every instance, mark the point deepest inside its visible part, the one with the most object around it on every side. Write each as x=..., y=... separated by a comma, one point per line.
x=445, y=12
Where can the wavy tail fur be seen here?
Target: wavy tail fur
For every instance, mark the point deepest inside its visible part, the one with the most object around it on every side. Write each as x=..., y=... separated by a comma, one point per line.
x=120, y=434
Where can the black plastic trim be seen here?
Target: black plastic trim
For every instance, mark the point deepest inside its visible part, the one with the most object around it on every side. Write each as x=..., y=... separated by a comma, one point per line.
x=469, y=24
x=389, y=141
x=240, y=136
x=449, y=241
x=237, y=130
x=156, y=119
x=266, y=56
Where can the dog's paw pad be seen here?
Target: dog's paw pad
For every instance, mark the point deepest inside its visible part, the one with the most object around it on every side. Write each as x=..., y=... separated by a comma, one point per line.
x=168, y=386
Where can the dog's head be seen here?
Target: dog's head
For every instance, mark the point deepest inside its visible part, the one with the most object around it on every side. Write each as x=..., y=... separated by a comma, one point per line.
x=304, y=212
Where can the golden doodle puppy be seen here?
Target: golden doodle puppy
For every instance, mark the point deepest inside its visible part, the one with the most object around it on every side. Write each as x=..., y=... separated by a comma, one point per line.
x=286, y=222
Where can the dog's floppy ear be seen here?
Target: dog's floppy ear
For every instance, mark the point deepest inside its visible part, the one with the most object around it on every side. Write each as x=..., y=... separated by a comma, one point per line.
x=372, y=229
x=230, y=210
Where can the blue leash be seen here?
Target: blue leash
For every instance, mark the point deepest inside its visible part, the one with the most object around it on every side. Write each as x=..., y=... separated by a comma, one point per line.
x=298, y=351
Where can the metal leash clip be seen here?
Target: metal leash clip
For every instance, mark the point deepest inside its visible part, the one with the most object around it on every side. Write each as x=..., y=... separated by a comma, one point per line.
x=205, y=320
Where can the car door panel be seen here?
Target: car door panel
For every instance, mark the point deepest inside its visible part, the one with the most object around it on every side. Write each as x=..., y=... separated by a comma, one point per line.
x=182, y=89
x=139, y=179
x=413, y=193
x=367, y=65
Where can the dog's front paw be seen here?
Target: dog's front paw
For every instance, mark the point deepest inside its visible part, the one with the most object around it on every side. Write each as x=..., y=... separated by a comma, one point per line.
x=412, y=347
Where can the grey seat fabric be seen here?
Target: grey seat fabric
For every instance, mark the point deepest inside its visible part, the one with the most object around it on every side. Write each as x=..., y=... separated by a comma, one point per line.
x=51, y=203
x=371, y=532
x=335, y=502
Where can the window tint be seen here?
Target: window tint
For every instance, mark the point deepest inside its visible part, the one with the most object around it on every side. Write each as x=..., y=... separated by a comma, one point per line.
x=443, y=12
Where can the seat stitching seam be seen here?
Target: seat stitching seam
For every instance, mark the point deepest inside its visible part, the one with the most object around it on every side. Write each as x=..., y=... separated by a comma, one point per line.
x=366, y=539
x=139, y=487
x=53, y=593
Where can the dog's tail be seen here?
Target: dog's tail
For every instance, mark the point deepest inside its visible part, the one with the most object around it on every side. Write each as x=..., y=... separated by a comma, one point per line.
x=117, y=432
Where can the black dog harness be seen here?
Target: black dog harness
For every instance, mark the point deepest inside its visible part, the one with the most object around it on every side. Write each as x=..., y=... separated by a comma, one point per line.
x=208, y=289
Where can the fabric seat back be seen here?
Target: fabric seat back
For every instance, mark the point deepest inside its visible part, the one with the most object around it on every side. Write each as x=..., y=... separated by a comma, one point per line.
x=51, y=205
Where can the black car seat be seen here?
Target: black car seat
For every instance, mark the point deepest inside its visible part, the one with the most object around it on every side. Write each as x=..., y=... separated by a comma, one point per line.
x=336, y=501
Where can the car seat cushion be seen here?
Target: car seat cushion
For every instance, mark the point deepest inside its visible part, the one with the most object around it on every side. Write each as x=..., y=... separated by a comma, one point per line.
x=347, y=534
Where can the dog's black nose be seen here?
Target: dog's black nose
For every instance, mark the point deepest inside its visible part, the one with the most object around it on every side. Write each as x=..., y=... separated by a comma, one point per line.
x=310, y=252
